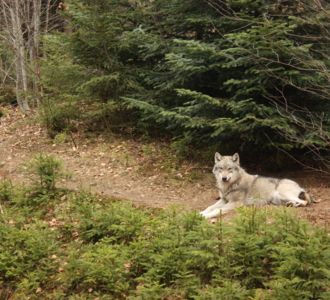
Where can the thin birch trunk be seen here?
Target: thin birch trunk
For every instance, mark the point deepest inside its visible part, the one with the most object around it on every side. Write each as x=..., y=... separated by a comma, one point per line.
x=34, y=49
x=21, y=74
x=47, y=17
x=22, y=23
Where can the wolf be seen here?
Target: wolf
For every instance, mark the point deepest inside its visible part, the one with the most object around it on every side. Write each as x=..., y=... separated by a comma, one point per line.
x=237, y=188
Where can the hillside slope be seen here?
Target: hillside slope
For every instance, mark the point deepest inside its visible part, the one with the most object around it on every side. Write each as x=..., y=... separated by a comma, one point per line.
x=145, y=173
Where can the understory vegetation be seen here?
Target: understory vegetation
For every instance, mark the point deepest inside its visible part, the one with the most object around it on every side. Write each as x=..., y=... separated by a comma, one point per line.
x=60, y=244
x=235, y=76
x=247, y=76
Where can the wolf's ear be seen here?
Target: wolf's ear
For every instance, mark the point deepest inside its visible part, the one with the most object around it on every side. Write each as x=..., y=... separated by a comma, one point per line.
x=235, y=158
x=217, y=157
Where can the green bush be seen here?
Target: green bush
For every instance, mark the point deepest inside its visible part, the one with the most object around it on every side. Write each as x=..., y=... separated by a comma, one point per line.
x=100, y=267
x=226, y=290
x=229, y=74
x=60, y=75
x=110, y=116
x=59, y=116
x=300, y=264
x=89, y=247
x=47, y=170
x=25, y=253
x=7, y=95
x=181, y=256
x=119, y=222
x=6, y=190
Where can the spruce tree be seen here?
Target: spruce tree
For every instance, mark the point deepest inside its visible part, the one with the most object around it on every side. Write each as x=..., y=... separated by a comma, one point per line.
x=242, y=75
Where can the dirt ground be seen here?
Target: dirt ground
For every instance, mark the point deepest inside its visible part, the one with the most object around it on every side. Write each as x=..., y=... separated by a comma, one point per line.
x=139, y=171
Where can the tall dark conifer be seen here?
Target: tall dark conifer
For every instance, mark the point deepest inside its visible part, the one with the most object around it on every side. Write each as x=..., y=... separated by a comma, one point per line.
x=238, y=74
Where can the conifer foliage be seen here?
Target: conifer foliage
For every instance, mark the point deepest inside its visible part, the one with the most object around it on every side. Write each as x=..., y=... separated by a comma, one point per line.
x=74, y=245
x=237, y=74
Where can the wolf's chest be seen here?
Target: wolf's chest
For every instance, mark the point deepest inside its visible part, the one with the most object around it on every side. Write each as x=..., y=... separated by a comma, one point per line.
x=236, y=193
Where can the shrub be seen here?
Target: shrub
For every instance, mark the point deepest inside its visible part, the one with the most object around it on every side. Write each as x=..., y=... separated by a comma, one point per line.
x=91, y=247
x=98, y=267
x=119, y=222
x=109, y=116
x=232, y=74
x=6, y=190
x=262, y=252
x=25, y=252
x=46, y=170
x=7, y=95
x=226, y=290
x=59, y=116
x=300, y=262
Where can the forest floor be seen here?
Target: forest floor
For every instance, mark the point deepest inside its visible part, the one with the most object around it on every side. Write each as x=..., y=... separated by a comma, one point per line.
x=146, y=173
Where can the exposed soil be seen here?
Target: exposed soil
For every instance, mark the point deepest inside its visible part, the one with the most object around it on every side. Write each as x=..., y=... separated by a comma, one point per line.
x=145, y=173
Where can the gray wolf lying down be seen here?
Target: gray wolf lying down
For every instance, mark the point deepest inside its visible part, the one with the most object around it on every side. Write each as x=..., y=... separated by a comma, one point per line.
x=238, y=188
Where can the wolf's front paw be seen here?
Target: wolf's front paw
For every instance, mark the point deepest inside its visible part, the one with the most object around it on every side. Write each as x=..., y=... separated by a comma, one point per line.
x=300, y=203
x=213, y=220
x=203, y=214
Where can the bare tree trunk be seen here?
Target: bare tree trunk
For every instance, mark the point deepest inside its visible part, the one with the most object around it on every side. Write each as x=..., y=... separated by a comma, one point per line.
x=22, y=23
x=47, y=16
x=34, y=49
x=21, y=74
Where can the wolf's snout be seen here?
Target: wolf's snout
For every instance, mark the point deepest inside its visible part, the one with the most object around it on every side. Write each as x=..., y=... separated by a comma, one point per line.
x=225, y=178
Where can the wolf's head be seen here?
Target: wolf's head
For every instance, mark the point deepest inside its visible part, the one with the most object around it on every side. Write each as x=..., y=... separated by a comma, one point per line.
x=226, y=168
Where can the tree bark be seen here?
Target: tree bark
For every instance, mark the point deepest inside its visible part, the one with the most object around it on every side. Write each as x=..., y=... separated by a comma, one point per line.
x=34, y=42
x=21, y=73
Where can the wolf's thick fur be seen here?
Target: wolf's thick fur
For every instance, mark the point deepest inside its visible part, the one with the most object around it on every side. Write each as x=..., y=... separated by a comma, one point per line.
x=238, y=188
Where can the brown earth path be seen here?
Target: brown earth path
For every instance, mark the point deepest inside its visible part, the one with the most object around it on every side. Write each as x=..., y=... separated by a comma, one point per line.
x=143, y=172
